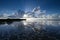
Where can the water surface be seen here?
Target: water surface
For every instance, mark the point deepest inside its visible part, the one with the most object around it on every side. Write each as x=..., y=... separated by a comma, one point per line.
x=23, y=30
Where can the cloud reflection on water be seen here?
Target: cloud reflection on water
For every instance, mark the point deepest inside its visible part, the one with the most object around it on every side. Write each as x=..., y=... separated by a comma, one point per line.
x=19, y=29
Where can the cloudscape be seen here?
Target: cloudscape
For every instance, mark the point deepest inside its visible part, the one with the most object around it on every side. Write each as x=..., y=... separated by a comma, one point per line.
x=29, y=19
x=35, y=13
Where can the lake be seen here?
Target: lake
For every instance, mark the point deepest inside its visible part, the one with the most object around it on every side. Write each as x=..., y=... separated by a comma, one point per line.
x=23, y=30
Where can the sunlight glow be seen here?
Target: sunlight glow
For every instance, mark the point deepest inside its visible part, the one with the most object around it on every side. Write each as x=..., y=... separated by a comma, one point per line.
x=25, y=16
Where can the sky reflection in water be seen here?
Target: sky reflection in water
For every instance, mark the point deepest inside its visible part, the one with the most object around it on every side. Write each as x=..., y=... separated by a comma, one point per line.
x=25, y=28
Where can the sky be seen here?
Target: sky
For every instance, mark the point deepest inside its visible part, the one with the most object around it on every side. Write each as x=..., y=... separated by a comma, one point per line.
x=51, y=6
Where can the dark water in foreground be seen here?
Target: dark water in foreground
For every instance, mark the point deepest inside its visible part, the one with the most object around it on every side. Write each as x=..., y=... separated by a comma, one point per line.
x=33, y=31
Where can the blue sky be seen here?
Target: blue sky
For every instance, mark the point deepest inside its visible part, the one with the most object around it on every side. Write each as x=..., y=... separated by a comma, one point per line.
x=51, y=6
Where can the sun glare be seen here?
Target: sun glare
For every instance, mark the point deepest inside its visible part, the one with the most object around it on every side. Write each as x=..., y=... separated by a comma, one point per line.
x=25, y=16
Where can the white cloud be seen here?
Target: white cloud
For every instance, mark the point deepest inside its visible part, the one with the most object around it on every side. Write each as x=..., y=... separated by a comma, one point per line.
x=36, y=12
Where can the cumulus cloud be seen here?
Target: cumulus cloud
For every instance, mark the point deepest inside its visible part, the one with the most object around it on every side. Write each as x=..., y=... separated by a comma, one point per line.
x=36, y=17
x=35, y=13
x=38, y=13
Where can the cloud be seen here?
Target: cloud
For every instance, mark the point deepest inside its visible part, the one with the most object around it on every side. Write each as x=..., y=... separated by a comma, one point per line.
x=35, y=13
x=38, y=17
x=38, y=13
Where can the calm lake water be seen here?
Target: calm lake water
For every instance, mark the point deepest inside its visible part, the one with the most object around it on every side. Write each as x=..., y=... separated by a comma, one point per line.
x=41, y=30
